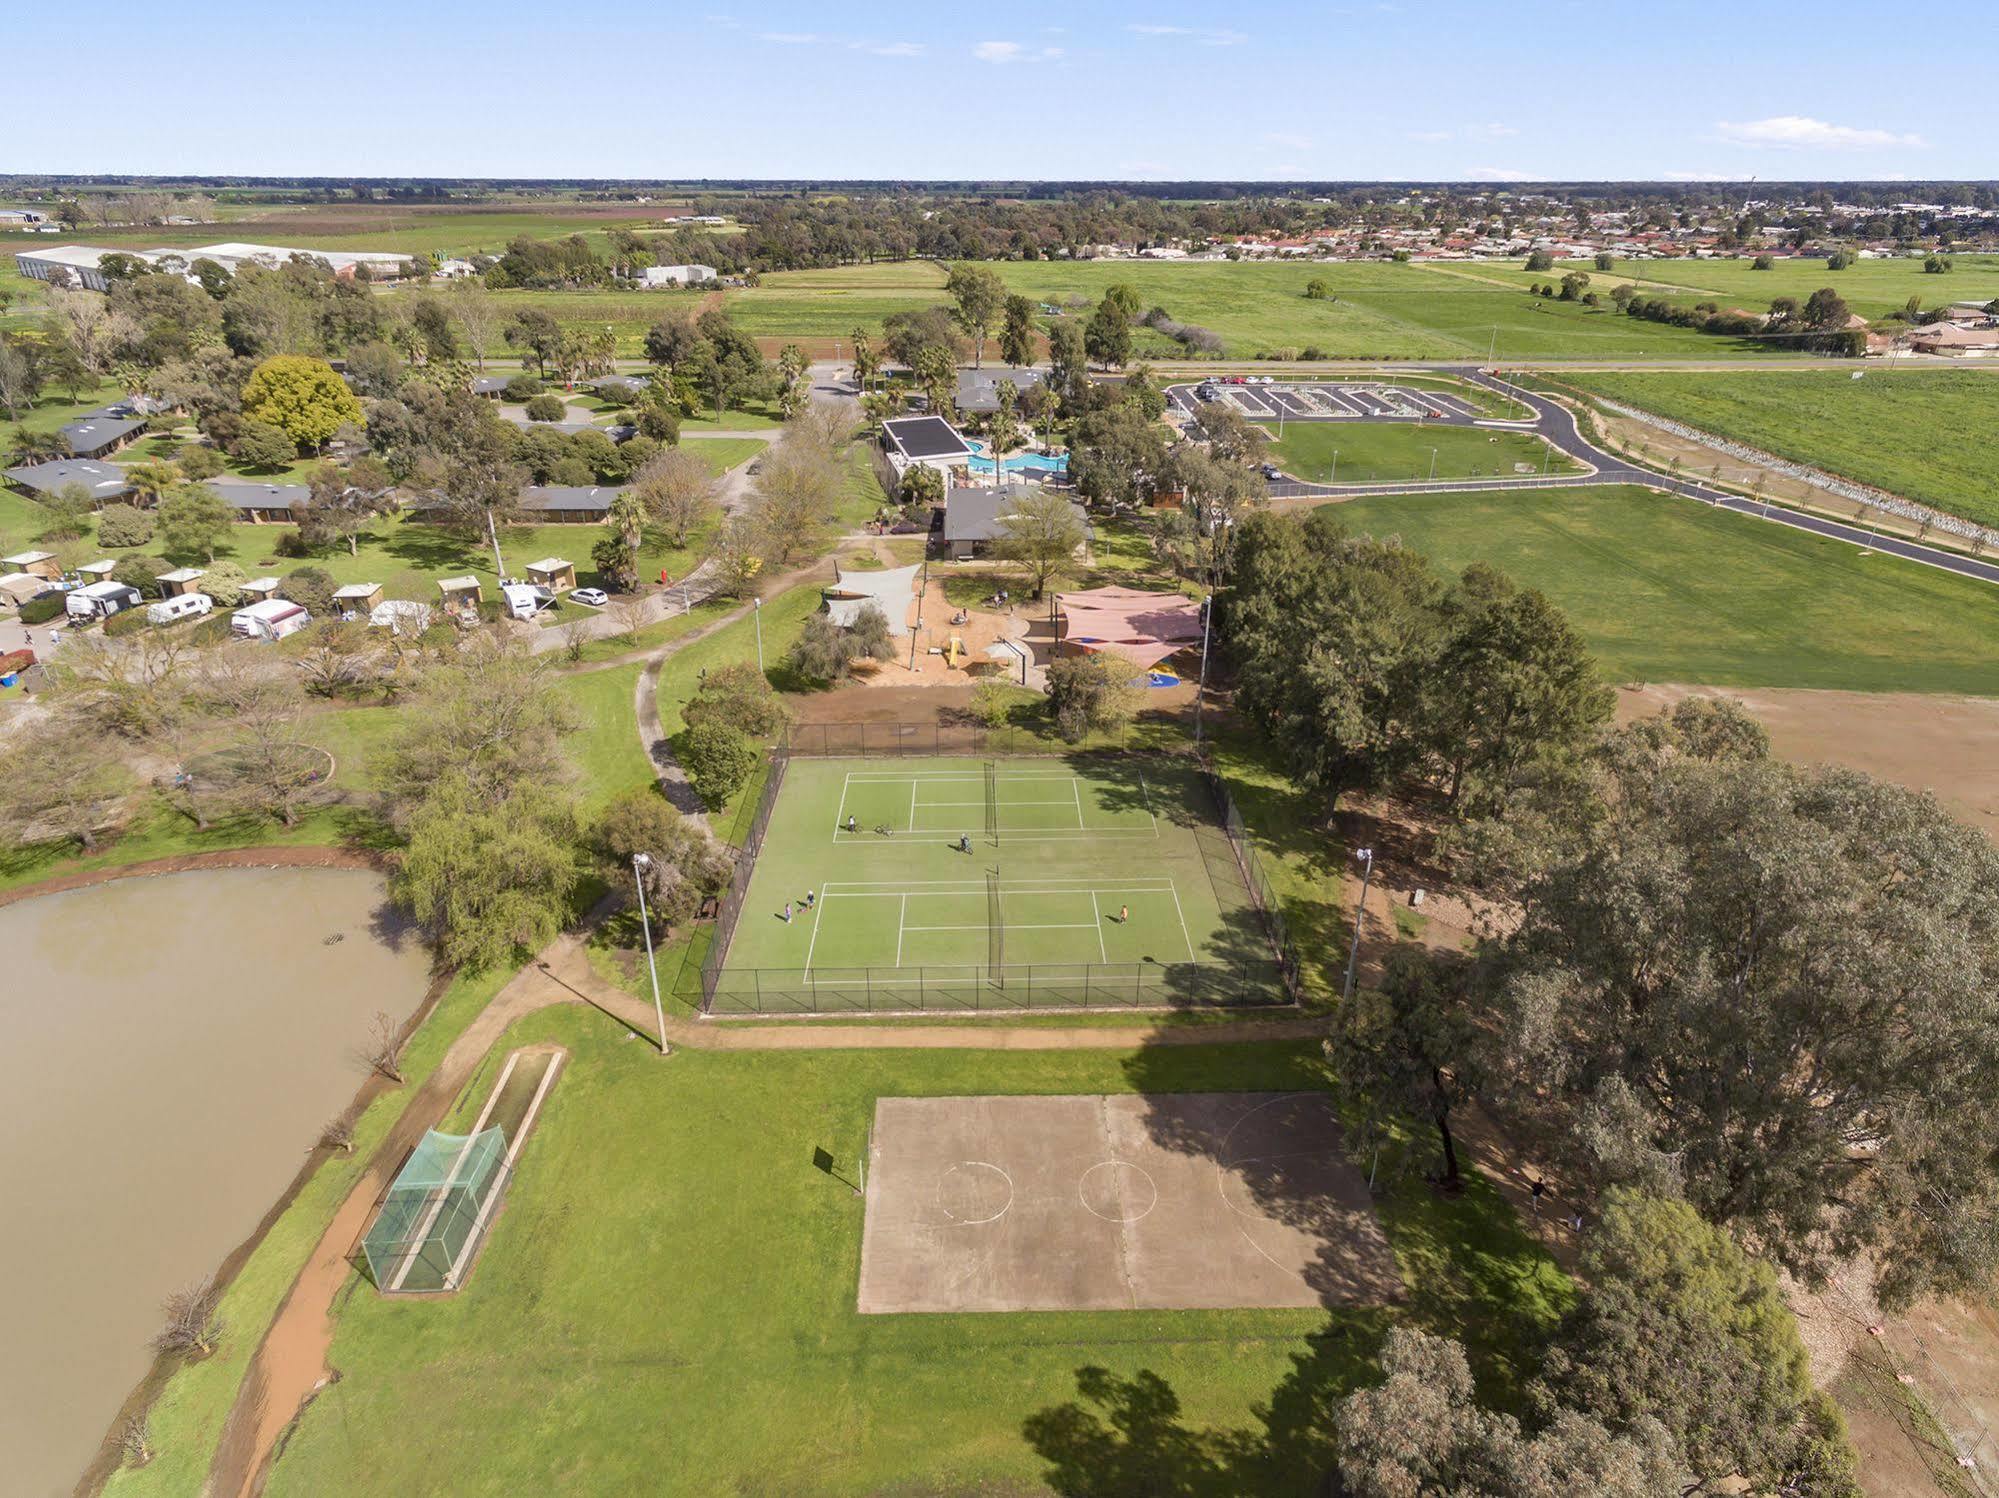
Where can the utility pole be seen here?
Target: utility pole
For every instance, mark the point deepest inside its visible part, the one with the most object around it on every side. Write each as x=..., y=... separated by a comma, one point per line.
x=640, y=862
x=1433, y=465
x=1336, y=467
x=1366, y=859
x=758, y=604
x=1492, y=350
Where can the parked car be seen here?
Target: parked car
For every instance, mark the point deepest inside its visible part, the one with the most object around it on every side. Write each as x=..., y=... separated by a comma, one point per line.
x=1272, y=471
x=595, y=597
x=186, y=606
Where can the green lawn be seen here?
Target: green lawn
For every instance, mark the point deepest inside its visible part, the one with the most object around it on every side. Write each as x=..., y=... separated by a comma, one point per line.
x=668, y=1305
x=1669, y=590
x=1926, y=434
x=1384, y=452
x=605, y=748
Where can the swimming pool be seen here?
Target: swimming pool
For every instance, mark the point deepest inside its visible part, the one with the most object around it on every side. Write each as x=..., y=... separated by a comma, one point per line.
x=1040, y=463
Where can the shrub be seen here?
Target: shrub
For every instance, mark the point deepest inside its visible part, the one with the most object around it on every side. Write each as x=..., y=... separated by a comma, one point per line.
x=1091, y=693
x=718, y=760
x=738, y=696
x=124, y=525
x=992, y=702
x=522, y=388
x=128, y=623
x=199, y=463
x=313, y=587
x=139, y=572
x=262, y=445
x=41, y=610
x=223, y=582
x=214, y=630
x=293, y=544
x=545, y=408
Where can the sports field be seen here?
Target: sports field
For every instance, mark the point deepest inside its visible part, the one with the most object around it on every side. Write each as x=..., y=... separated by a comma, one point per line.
x=1327, y=452
x=943, y=883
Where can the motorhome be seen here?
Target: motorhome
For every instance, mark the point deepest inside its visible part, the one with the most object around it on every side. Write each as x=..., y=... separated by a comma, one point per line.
x=185, y=606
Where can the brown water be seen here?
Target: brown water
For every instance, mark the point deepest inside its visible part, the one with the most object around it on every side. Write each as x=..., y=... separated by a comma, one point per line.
x=173, y=1046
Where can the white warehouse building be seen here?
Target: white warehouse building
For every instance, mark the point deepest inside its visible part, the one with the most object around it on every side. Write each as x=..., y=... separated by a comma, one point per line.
x=82, y=265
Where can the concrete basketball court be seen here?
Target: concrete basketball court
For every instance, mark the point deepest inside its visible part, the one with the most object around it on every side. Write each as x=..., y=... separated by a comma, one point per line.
x=1172, y=1201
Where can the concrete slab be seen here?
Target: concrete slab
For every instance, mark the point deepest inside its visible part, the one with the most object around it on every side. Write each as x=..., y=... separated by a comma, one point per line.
x=1167, y=1202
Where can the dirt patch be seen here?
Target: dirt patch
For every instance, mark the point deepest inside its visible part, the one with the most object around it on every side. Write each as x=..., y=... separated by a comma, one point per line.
x=220, y=858
x=1948, y=745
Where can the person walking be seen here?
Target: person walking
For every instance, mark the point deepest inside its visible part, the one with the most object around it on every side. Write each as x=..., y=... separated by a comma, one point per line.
x=787, y=912
x=811, y=899
x=1535, y=1191
x=1123, y=914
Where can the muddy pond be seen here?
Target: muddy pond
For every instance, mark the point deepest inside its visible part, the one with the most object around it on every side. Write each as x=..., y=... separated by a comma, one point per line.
x=173, y=1047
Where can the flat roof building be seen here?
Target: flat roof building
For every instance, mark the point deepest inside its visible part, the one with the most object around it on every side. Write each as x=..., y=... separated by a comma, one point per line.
x=929, y=441
x=103, y=481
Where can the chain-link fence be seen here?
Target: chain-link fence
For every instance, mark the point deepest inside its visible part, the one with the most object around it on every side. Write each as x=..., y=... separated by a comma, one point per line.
x=892, y=740
x=1014, y=987
x=1249, y=873
x=750, y=844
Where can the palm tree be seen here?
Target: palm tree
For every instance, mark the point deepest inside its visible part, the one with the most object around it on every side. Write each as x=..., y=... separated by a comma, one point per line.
x=628, y=515
x=39, y=447
x=152, y=479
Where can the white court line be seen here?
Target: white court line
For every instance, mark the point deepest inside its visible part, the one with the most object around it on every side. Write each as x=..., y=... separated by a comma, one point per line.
x=1011, y=926
x=1102, y=950
x=1185, y=935
x=902, y=914
x=816, y=903
x=1076, y=790
x=1052, y=886
x=912, y=806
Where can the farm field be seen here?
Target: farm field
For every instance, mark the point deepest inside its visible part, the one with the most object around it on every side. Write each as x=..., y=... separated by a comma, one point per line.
x=1925, y=434
x=551, y=1370
x=1356, y=452
x=1871, y=287
x=1667, y=590
x=1374, y=311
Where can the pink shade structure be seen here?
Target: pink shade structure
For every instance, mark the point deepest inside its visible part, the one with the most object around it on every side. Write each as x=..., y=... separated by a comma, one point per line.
x=1143, y=628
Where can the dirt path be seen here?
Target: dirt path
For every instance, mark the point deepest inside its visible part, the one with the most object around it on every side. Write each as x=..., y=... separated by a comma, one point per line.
x=1949, y=745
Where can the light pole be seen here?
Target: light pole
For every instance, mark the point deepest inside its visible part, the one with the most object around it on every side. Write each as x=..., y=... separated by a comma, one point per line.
x=640, y=862
x=1366, y=859
x=1336, y=467
x=758, y=605
x=1492, y=350
x=1433, y=465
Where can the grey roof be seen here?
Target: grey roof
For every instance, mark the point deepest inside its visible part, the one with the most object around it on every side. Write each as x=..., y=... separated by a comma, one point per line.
x=926, y=437
x=492, y=384
x=973, y=514
x=633, y=383
x=594, y=500
x=103, y=480
x=978, y=389
x=243, y=495
x=91, y=433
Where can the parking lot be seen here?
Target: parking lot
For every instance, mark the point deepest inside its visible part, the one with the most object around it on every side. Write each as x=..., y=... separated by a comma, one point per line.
x=1323, y=400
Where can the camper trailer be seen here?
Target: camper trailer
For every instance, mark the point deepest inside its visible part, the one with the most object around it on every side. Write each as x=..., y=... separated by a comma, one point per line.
x=101, y=600
x=272, y=619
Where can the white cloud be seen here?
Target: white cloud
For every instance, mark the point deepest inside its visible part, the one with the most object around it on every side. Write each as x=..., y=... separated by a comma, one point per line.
x=1290, y=141
x=1495, y=130
x=788, y=38
x=1208, y=37
x=1801, y=132
x=1051, y=53
x=727, y=22
x=1499, y=174
x=888, y=49
x=998, y=52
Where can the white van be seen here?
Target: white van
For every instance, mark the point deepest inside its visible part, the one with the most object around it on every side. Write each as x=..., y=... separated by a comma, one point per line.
x=187, y=606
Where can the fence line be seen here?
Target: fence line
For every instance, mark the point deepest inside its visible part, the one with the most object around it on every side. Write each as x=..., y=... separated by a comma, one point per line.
x=1249, y=865
x=1014, y=986
x=894, y=740
x=731, y=908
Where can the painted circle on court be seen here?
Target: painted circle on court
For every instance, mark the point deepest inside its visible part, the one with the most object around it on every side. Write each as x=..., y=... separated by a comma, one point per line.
x=1117, y=1191
x=973, y=1191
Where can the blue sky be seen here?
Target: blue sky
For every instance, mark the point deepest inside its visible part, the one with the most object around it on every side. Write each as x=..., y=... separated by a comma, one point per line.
x=1497, y=90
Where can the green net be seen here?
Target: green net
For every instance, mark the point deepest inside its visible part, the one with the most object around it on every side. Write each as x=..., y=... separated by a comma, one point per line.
x=432, y=1214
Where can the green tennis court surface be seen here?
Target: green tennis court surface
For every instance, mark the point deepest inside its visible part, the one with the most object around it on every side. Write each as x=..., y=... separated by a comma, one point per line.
x=918, y=884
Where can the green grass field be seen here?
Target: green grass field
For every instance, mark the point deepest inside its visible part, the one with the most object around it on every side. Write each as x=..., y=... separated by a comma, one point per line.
x=1386, y=452
x=1871, y=287
x=668, y=1305
x=1925, y=434
x=1666, y=590
x=1089, y=880
x=1375, y=310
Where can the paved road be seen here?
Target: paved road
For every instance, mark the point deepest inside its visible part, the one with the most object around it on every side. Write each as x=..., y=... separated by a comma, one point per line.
x=1557, y=424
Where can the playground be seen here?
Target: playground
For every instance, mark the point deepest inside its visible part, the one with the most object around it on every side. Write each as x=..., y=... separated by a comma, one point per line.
x=944, y=883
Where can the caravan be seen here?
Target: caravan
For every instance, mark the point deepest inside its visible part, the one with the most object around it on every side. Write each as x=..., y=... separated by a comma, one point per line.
x=185, y=606
x=272, y=619
x=100, y=601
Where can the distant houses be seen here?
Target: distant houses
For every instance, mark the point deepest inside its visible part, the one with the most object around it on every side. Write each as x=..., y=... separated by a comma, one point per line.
x=104, y=482
x=83, y=265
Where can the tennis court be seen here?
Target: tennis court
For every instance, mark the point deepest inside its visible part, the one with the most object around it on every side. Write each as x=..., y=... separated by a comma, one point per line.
x=941, y=883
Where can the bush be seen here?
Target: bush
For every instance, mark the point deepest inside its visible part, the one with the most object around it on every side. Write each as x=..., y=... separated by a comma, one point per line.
x=262, y=445
x=139, y=572
x=1091, y=693
x=738, y=696
x=124, y=525
x=293, y=544
x=718, y=760
x=129, y=622
x=522, y=388
x=546, y=408
x=313, y=587
x=992, y=702
x=41, y=610
x=199, y=463
x=223, y=582
x=213, y=630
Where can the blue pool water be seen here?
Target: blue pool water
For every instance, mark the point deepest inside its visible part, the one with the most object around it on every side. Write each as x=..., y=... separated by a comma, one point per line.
x=1019, y=463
